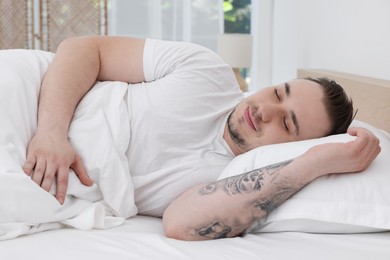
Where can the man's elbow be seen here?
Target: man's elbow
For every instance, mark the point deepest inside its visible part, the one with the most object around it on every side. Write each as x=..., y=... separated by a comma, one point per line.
x=173, y=232
x=174, y=228
x=179, y=218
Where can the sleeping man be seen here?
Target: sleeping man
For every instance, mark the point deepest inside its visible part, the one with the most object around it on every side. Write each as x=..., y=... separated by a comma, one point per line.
x=187, y=119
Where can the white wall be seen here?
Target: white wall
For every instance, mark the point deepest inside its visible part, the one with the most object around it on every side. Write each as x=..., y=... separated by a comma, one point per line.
x=345, y=35
x=261, y=30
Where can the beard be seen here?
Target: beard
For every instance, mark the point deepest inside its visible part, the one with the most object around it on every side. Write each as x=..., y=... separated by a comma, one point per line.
x=234, y=134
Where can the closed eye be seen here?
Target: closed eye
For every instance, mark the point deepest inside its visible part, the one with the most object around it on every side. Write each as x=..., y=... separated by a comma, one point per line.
x=276, y=94
x=285, y=124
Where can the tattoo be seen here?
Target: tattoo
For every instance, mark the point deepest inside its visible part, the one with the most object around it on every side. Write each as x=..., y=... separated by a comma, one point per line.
x=253, y=180
x=279, y=189
x=282, y=192
x=215, y=230
x=244, y=183
x=208, y=189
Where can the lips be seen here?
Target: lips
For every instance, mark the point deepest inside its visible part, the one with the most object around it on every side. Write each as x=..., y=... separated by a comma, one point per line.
x=248, y=119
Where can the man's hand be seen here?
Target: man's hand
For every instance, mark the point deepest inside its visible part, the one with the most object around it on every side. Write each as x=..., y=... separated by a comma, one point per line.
x=49, y=158
x=78, y=63
x=354, y=156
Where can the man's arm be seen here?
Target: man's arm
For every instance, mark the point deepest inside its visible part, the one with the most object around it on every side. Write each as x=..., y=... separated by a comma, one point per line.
x=78, y=63
x=226, y=208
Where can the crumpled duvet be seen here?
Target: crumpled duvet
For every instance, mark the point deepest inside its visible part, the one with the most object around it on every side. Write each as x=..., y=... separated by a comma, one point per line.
x=100, y=133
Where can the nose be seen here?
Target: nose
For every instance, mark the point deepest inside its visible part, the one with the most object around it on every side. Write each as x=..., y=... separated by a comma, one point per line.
x=270, y=111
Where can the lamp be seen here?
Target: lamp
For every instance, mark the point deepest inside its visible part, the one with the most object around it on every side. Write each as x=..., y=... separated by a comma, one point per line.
x=236, y=50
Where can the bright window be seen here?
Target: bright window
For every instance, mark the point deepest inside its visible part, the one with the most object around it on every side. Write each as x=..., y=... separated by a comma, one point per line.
x=237, y=19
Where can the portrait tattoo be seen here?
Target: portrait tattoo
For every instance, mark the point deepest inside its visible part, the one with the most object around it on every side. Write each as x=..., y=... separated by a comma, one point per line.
x=214, y=230
x=253, y=180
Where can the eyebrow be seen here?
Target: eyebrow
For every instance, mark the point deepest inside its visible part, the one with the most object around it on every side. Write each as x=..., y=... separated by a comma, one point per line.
x=292, y=113
x=295, y=121
x=287, y=89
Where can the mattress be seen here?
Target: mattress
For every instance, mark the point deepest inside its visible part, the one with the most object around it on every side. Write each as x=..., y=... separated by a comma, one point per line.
x=142, y=237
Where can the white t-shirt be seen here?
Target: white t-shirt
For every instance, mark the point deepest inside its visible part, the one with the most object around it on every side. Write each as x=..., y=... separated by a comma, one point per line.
x=177, y=122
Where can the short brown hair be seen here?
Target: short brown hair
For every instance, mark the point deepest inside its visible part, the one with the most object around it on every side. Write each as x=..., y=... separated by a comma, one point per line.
x=337, y=103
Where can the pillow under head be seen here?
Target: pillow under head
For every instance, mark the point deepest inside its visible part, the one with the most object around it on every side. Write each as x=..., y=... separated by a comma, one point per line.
x=336, y=203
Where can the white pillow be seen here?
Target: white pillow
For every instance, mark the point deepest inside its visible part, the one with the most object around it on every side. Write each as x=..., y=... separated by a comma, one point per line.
x=337, y=203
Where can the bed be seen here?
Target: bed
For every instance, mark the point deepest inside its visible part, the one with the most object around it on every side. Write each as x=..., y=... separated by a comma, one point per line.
x=359, y=232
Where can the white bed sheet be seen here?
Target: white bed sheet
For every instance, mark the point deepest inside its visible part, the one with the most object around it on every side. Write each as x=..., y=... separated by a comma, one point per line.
x=142, y=237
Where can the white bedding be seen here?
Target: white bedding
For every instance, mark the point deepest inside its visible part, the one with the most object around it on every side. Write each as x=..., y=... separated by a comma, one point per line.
x=142, y=238
x=102, y=115
x=139, y=237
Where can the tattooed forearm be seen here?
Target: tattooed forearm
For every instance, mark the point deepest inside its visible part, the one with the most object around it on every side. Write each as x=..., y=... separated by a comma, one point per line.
x=253, y=180
x=256, y=194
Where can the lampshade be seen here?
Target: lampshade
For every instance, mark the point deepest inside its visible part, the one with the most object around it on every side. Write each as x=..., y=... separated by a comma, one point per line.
x=235, y=49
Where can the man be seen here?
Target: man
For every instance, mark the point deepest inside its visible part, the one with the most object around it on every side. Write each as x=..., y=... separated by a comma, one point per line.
x=183, y=132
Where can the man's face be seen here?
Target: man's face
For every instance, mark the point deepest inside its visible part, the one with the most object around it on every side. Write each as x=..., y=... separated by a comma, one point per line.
x=288, y=112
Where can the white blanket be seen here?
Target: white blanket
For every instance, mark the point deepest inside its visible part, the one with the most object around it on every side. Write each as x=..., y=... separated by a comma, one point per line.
x=100, y=133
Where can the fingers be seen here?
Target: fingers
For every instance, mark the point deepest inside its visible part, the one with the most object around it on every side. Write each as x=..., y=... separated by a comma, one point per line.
x=81, y=172
x=63, y=178
x=29, y=165
x=49, y=176
x=39, y=171
x=370, y=152
x=49, y=158
x=352, y=131
x=62, y=184
x=364, y=148
x=44, y=169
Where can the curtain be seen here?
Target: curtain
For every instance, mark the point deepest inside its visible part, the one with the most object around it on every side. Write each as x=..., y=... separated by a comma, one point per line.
x=60, y=19
x=197, y=21
x=15, y=24
x=43, y=24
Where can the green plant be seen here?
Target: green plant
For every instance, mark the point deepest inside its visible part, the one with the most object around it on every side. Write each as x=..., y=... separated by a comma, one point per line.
x=237, y=16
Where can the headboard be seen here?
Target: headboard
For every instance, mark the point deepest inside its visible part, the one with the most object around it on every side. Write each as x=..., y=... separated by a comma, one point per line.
x=371, y=96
